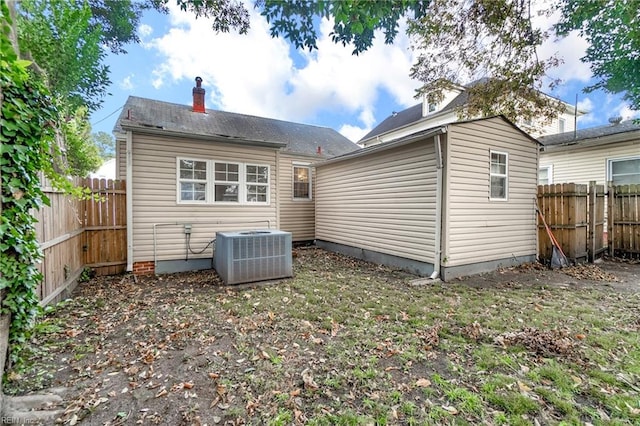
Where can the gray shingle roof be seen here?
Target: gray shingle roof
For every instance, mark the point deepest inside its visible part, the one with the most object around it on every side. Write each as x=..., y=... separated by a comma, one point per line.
x=590, y=133
x=157, y=116
x=411, y=115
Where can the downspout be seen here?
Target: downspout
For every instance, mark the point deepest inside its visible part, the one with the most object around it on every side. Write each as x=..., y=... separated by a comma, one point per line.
x=129, y=199
x=277, y=187
x=438, y=218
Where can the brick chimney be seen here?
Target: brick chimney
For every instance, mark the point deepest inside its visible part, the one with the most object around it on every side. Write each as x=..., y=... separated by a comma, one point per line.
x=198, y=96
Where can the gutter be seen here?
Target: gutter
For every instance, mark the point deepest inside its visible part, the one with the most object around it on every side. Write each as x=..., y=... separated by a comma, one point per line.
x=129, y=200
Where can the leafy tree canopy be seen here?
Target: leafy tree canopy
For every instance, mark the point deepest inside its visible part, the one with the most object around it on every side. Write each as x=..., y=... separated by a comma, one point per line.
x=81, y=153
x=105, y=143
x=612, y=29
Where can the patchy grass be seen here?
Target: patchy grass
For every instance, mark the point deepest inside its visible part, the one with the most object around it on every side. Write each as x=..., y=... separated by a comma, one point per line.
x=345, y=342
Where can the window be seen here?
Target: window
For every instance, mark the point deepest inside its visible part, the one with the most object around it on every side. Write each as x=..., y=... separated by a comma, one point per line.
x=545, y=175
x=192, y=176
x=561, y=125
x=257, y=178
x=208, y=181
x=624, y=171
x=227, y=181
x=498, y=174
x=301, y=182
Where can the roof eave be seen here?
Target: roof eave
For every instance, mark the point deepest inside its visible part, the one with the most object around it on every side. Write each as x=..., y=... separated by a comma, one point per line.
x=440, y=113
x=385, y=146
x=598, y=140
x=211, y=138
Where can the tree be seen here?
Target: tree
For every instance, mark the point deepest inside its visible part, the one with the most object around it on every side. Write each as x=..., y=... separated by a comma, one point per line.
x=612, y=29
x=81, y=154
x=226, y=14
x=59, y=38
x=105, y=143
x=491, y=42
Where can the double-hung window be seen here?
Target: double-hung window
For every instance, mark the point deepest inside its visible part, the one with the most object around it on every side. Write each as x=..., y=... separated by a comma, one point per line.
x=545, y=175
x=257, y=183
x=192, y=178
x=624, y=171
x=227, y=182
x=301, y=182
x=499, y=175
x=210, y=181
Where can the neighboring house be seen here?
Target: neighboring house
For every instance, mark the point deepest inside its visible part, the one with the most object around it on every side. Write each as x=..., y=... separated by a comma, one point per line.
x=192, y=172
x=455, y=199
x=427, y=114
x=106, y=171
x=609, y=153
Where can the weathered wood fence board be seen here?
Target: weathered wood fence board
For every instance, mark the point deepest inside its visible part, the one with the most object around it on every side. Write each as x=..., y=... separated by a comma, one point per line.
x=624, y=220
x=105, y=236
x=74, y=234
x=575, y=215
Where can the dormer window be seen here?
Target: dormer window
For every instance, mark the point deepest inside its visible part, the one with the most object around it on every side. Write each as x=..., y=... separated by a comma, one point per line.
x=428, y=105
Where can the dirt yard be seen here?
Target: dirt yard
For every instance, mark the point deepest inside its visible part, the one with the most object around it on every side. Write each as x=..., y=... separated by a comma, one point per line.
x=344, y=342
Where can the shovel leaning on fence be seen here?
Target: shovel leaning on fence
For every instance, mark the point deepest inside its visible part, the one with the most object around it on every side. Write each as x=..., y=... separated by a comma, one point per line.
x=558, y=258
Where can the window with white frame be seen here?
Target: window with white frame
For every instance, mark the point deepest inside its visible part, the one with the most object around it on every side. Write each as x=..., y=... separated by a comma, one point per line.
x=226, y=182
x=545, y=175
x=301, y=182
x=499, y=175
x=561, y=125
x=624, y=171
x=257, y=183
x=192, y=181
x=210, y=181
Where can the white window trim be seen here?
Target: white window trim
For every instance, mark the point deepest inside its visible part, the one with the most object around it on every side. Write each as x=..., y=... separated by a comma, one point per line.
x=179, y=180
x=211, y=181
x=245, y=184
x=214, y=181
x=564, y=125
x=610, y=162
x=506, y=175
x=549, y=169
x=293, y=181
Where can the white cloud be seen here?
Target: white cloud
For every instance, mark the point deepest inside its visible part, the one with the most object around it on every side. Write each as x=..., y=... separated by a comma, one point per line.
x=255, y=73
x=588, y=107
x=624, y=110
x=353, y=133
x=145, y=30
x=126, y=83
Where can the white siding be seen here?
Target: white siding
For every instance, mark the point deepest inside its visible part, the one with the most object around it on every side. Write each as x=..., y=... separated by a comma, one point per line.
x=582, y=165
x=296, y=216
x=384, y=202
x=154, y=197
x=475, y=228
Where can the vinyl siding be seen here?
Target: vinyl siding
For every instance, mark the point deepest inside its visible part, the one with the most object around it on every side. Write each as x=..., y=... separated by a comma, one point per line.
x=121, y=159
x=384, y=202
x=476, y=229
x=296, y=216
x=582, y=165
x=154, y=197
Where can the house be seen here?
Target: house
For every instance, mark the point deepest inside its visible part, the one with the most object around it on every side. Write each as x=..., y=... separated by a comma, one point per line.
x=192, y=172
x=106, y=171
x=454, y=199
x=609, y=153
x=427, y=114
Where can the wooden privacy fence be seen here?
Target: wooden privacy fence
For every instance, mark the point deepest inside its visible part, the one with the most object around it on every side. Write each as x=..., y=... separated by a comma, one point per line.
x=575, y=215
x=624, y=223
x=75, y=234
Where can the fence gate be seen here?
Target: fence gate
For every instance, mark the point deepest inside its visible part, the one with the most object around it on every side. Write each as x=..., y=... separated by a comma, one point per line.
x=105, y=230
x=624, y=221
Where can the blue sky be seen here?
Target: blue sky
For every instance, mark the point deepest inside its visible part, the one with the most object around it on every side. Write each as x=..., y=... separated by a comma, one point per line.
x=259, y=75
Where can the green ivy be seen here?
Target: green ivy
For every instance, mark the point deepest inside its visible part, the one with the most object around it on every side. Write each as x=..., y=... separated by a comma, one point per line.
x=27, y=145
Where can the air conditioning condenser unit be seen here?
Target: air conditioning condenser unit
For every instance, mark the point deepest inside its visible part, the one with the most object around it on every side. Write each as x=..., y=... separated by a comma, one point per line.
x=248, y=256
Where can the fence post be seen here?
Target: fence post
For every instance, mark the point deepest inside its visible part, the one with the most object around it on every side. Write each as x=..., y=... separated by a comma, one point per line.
x=591, y=248
x=610, y=219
